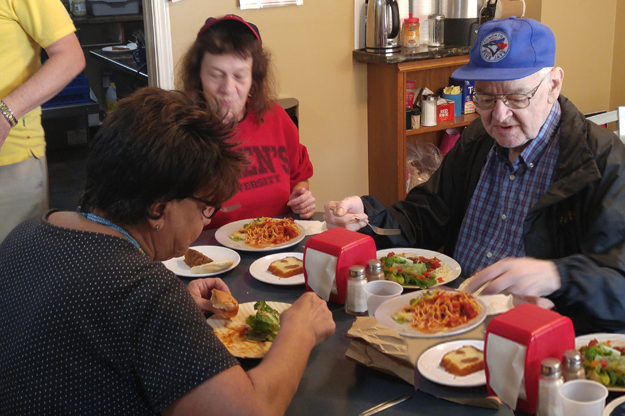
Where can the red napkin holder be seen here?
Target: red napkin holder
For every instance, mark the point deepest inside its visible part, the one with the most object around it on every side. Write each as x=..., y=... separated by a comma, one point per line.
x=349, y=247
x=544, y=333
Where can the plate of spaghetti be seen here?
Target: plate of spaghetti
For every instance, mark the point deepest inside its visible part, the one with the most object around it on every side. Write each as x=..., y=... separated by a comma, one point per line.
x=415, y=268
x=260, y=234
x=432, y=313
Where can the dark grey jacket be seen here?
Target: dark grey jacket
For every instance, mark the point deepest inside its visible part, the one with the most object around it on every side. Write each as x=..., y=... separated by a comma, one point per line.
x=579, y=223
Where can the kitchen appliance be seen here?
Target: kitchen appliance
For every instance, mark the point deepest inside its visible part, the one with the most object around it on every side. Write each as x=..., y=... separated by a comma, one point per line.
x=382, y=27
x=501, y=9
x=461, y=21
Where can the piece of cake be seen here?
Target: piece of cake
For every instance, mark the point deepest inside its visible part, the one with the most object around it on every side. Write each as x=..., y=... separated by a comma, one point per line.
x=286, y=267
x=194, y=258
x=463, y=361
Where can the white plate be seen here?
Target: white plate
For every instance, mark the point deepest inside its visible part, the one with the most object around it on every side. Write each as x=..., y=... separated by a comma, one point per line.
x=223, y=237
x=429, y=365
x=611, y=407
x=453, y=265
x=258, y=269
x=602, y=337
x=227, y=331
x=387, y=309
x=131, y=47
x=178, y=266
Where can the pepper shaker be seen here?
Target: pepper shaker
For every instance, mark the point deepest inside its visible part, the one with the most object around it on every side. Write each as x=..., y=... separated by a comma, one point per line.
x=374, y=270
x=572, y=368
x=356, y=302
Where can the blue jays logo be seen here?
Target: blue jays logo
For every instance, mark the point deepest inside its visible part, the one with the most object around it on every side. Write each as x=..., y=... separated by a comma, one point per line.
x=495, y=46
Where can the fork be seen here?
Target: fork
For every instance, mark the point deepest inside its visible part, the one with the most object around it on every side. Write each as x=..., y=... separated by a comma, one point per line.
x=377, y=230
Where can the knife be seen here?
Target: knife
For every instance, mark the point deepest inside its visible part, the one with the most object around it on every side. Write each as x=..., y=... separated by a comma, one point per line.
x=386, y=405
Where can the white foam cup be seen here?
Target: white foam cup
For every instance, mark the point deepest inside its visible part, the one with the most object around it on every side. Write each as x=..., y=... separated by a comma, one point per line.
x=583, y=398
x=379, y=291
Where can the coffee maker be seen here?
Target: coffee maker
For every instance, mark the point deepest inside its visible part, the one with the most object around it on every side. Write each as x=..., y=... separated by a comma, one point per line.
x=382, y=32
x=461, y=21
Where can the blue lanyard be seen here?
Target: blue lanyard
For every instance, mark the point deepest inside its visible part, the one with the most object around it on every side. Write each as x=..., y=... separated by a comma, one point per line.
x=104, y=221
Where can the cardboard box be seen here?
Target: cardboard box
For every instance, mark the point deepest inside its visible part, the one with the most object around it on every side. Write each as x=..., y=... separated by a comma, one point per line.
x=411, y=87
x=444, y=110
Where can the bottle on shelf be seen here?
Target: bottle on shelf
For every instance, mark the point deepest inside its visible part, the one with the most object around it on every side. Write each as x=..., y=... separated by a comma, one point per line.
x=410, y=33
x=111, y=98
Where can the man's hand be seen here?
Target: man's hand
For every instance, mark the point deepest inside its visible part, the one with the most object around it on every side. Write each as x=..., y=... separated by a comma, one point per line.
x=302, y=202
x=201, y=291
x=341, y=214
x=527, y=279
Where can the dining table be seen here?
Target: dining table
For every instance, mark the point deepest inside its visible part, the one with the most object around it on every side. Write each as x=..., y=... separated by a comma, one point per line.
x=333, y=384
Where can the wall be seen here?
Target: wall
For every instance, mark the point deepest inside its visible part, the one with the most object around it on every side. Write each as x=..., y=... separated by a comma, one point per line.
x=585, y=49
x=617, y=97
x=311, y=46
x=311, y=50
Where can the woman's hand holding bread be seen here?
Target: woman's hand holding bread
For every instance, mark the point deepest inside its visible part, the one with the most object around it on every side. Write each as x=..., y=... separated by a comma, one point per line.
x=201, y=291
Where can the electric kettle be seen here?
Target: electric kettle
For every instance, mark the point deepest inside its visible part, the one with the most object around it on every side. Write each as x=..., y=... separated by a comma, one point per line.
x=382, y=27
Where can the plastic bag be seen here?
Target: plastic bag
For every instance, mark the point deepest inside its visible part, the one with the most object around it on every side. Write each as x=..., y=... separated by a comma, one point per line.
x=422, y=159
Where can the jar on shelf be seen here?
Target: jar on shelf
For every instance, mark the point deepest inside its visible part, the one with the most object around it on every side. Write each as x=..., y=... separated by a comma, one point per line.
x=436, y=24
x=428, y=110
x=410, y=32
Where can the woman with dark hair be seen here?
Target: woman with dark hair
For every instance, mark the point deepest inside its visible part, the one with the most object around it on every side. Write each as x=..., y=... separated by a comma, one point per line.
x=227, y=64
x=93, y=323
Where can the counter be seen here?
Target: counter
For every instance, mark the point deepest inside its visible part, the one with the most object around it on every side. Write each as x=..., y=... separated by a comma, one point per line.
x=421, y=53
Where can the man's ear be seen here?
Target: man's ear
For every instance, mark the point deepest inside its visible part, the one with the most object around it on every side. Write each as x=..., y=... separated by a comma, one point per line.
x=555, y=84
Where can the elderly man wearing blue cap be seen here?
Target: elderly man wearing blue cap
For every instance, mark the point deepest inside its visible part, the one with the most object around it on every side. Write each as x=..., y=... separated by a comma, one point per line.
x=531, y=200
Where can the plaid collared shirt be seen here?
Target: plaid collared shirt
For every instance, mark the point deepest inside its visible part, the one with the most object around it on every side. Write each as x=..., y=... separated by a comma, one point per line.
x=492, y=228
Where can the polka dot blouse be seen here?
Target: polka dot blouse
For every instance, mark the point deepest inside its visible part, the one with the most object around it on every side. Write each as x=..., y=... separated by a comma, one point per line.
x=90, y=326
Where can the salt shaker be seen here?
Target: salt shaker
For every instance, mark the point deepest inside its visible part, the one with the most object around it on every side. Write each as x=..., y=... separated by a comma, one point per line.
x=428, y=110
x=572, y=368
x=374, y=270
x=549, y=382
x=356, y=302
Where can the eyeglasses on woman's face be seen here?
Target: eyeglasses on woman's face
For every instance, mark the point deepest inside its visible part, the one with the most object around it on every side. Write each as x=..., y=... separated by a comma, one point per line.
x=485, y=101
x=208, y=211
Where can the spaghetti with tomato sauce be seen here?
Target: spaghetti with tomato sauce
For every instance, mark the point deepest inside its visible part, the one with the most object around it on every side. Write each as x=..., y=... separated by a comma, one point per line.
x=267, y=232
x=439, y=311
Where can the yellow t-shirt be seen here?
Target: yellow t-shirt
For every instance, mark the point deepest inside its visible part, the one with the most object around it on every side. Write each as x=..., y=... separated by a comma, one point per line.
x=26, y=26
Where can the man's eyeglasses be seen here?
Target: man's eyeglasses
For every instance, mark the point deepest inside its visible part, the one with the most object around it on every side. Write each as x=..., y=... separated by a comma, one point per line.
x=208, y=210
x=486, y=101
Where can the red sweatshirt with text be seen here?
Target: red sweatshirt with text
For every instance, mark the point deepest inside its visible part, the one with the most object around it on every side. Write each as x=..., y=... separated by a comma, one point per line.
x=277, y=163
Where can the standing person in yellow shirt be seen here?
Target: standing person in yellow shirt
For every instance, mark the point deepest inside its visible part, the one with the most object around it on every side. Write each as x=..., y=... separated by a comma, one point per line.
x=25, y=28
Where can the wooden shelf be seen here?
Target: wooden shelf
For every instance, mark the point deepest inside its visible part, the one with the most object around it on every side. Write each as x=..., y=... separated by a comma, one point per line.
x=462, y=121
x=386, y=115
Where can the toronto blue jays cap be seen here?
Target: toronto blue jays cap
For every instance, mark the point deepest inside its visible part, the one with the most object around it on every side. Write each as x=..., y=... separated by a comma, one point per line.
x=232, y=20
x=508, y=49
